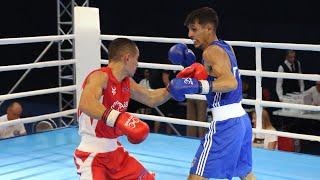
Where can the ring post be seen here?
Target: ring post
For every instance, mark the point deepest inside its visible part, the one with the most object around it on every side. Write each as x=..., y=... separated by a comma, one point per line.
x=87, y=43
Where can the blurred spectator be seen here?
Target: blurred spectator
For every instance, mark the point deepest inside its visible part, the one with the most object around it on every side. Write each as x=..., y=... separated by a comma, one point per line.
x=312, y=95
x=13, y=112
x=146, y=80
x=266, y=95
x=290, y=65
x=245, y=90
x=266, y=141
x=247, y=94
x=197, y=111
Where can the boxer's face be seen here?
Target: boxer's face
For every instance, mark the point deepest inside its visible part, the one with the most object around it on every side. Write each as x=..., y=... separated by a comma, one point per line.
x=200, y=34
x=254, y=121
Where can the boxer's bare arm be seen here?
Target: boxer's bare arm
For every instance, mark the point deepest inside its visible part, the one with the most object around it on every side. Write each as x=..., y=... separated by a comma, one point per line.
x=91, y=94
x=218, y=60
x=147, y=96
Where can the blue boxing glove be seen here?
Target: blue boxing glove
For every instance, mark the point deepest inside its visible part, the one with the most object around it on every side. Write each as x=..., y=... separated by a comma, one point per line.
x=179, y=87
x=179, y=54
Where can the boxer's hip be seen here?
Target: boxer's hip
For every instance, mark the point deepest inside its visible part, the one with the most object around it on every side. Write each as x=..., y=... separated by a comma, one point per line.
x=98, y=145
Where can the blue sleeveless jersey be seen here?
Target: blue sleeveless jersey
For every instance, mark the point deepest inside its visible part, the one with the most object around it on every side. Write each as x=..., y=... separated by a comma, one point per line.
x=216, y=99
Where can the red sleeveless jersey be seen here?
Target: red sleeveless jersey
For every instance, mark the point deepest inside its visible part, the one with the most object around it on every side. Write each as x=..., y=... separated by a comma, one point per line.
x=116, y=96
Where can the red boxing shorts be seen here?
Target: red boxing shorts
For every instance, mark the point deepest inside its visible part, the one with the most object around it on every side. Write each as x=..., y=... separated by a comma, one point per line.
x=118, y=164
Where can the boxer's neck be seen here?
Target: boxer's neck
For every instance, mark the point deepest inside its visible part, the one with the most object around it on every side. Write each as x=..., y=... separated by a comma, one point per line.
x=118, y=70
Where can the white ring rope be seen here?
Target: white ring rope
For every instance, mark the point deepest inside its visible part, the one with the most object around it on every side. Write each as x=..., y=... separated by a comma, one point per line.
x=313, y=77
x=6, y=41
x=37, y=65
x=245, y=101
x=148, y=39
x=265, y=103
x=286, y=134
x=38, y=118
x=308, y=47
x=269, y=74
x=153, y=65
x=172, y=120
x=207, y=124
x=37, y=92
x=290, y=105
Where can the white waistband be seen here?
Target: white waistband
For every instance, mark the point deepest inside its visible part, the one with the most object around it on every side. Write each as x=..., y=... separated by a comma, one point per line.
x=227, y=111
x=98, y=145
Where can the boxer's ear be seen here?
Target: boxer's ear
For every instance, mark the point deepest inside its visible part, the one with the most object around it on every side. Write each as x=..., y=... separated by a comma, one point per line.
x=126, y=57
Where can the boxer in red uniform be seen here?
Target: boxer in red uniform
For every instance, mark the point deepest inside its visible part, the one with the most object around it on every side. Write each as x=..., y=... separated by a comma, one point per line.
x=103, y=117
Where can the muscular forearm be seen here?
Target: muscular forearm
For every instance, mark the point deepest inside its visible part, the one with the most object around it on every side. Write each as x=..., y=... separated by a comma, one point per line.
x=158, y=97
x=224, y=84
x=92, y=108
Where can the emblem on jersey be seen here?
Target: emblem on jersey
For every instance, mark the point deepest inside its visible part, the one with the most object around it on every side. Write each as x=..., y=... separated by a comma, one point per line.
x=113, y=90
x=236, y=72
x=188, y=81
x=119, y=106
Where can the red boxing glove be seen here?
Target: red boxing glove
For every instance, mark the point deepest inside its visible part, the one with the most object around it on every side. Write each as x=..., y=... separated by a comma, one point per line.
x=125, y=123
x=196, y=70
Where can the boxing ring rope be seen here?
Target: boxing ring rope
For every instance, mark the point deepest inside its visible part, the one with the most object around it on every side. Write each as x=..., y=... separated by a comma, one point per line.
x=37, y=92
x=37, y=65
x=39, y=118
x=248, y=73
x=266, y=103
x=206, y=124
x=313, y=77
x=148, y=39
x=22, y=40
x=306, y=47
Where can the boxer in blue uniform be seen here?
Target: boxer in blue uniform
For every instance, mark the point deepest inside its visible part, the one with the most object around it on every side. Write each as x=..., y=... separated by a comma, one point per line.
x=225, y=151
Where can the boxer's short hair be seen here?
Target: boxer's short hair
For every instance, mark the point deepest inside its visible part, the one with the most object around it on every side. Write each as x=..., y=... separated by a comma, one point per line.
x=120, y=46
x=203, y=16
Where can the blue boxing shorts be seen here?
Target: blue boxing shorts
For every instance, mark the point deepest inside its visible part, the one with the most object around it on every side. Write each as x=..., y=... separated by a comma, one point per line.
x=225, y=151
